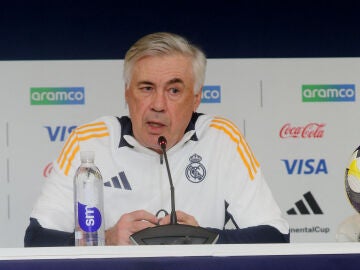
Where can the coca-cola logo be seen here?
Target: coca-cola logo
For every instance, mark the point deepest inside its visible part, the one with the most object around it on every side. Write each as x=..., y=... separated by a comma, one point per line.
x=47, y=170
x=311, y=130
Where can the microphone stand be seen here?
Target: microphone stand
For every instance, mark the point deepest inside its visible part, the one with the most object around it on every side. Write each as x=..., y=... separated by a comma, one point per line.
x=173, y=218
x=173, y=233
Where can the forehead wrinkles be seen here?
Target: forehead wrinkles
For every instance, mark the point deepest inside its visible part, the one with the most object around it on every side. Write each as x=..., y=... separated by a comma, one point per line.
x=166, y=69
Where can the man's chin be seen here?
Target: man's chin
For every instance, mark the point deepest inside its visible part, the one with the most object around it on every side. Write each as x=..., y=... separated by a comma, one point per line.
x=155, y=148
x=153, y=143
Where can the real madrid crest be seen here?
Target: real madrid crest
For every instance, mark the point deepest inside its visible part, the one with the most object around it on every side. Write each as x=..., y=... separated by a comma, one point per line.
x=195, y=172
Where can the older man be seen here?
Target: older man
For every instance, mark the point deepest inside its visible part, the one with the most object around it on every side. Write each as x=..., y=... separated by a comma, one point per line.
x=215, y=173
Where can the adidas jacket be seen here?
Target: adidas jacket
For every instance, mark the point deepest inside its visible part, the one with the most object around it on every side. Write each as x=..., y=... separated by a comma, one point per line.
x=215, y=175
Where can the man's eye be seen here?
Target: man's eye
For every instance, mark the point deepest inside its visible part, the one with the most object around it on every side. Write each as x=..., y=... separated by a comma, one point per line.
x=174, y=91
x=146, y=88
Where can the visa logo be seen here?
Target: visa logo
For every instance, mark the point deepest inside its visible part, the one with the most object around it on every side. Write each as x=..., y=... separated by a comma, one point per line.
x=59, y=133
x=305, y=166
x=211, y=94
x=328, y=93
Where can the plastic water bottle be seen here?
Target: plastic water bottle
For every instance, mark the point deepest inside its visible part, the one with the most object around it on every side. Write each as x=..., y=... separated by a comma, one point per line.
x=88, y=203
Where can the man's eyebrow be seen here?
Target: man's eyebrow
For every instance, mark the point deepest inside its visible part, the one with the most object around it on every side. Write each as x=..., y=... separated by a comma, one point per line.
x=145, y=82
x=172, y=81
x=175, y=80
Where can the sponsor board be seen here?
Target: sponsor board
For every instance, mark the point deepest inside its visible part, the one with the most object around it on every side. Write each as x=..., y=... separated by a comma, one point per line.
x=328, y=93
x=311, y=130
x=57, y=95
x=211, y=94
x=305, y=166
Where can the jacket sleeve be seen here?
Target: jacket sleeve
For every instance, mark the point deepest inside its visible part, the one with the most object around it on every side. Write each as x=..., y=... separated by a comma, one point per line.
x=248, y=198
x=37, y=236
x=251, y=235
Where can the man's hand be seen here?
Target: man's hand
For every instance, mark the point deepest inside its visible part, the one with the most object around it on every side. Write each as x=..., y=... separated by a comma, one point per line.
x=127, y=225
x=182, y=218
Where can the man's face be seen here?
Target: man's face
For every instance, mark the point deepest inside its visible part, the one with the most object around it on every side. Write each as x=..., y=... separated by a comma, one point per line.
x=161, y=99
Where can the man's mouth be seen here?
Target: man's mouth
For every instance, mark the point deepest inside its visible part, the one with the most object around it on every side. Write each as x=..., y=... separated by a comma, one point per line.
x=155, y=124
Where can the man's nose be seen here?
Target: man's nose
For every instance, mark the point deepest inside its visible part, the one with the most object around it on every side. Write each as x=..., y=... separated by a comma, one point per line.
x=159, y=101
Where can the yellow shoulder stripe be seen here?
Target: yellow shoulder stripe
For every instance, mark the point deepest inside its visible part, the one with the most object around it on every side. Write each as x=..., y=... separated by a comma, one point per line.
x=243, y=148
x=71, y=147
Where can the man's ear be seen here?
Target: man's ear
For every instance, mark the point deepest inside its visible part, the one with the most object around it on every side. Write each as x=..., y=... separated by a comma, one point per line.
x=197, y=100
x=126, y=94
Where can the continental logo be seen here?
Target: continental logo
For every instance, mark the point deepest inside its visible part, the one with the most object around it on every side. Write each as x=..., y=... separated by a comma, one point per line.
x=312, y=229
x=57, y=95
x=328, y=93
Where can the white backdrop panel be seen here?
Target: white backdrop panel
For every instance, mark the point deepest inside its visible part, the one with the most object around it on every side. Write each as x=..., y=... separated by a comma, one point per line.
x=259, y=95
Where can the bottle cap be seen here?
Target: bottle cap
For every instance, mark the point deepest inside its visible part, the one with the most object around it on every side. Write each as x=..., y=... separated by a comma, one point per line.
x=87, y=156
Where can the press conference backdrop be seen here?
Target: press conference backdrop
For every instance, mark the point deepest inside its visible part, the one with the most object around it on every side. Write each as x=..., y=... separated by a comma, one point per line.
x=300, y=117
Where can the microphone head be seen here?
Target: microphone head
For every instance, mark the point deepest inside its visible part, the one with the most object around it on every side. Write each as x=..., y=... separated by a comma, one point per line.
x=162, y=142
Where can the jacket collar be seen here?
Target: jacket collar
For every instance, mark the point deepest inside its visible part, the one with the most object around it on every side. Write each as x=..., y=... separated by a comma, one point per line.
x=126, y=130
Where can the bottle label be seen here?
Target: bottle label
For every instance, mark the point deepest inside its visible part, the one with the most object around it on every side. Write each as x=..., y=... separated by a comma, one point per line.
x=89, y=218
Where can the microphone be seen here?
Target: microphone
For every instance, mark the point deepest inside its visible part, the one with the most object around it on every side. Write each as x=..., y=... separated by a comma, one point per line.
x=162, y=142
x=173, y=233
